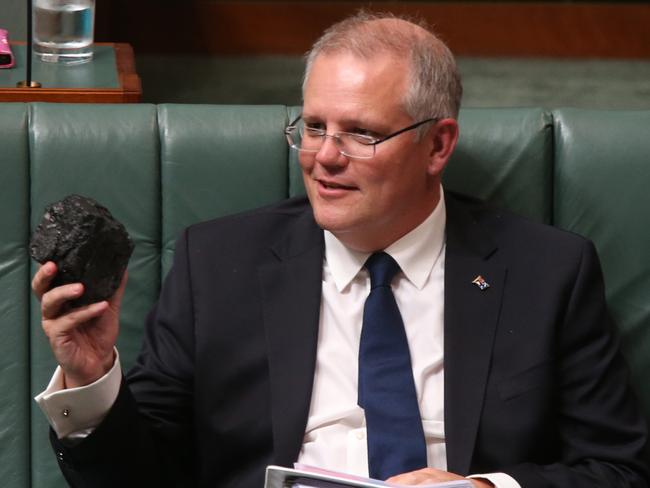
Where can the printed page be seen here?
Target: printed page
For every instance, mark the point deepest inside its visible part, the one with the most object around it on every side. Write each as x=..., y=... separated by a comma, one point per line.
x=313, y=477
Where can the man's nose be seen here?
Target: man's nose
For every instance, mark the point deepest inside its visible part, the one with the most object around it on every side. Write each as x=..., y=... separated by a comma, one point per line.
x=329, y=153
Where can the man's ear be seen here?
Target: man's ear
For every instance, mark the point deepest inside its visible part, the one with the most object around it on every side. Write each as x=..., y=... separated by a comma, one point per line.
x=444, y=136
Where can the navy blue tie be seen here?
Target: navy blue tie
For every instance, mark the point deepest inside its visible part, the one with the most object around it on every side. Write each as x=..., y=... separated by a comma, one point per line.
x=386, y=388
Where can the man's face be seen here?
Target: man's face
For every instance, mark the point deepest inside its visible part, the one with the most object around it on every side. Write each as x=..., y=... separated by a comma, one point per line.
x=367, y=203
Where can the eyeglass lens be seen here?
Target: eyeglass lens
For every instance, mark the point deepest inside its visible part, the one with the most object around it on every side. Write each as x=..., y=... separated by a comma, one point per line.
x=351, y=145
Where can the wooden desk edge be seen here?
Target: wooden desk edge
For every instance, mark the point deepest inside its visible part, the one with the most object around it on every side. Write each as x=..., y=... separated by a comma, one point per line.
x=129, y=79
x=130, y=90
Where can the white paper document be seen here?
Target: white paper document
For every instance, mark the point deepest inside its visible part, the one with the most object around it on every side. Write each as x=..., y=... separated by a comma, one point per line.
x=311, y=477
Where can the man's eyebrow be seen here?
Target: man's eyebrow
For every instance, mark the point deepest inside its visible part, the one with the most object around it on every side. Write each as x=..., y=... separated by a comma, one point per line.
x=352, y=122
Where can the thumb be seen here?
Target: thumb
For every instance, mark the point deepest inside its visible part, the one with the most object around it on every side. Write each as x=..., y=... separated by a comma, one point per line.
x=116, y=300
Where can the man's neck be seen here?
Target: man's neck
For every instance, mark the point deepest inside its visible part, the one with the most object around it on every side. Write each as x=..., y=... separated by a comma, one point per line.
x=379, y=238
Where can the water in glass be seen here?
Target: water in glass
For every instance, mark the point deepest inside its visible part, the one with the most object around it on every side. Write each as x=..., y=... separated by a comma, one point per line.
x=63, y=30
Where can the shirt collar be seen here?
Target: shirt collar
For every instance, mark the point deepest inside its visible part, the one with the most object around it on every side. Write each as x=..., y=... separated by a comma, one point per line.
x=416, y=252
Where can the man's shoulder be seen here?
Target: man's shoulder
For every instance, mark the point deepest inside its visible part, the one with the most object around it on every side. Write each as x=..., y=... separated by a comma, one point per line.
x=252, y=230
x=232, y=249
x=261, y=218
x=513, y=232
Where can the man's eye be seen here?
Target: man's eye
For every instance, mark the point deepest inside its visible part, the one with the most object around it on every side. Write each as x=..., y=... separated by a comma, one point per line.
x=364, y=132
x=314, y=127
x=362, y=139
x=313, y=132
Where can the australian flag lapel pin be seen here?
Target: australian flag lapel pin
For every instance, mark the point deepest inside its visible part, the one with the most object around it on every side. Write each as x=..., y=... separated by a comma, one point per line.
x=481, y=283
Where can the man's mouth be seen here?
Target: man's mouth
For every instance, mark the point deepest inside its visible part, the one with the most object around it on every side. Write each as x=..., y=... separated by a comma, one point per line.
x=330, y=185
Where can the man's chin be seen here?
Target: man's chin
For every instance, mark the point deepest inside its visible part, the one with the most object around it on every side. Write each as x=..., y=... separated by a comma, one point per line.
x=336, y=216
x=333, y=222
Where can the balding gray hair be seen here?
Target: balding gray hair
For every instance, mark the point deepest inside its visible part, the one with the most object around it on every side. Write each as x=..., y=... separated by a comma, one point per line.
x=434, y=88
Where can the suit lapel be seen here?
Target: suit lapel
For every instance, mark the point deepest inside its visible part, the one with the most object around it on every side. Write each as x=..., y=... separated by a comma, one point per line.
x=291, y=295
x=471, y=315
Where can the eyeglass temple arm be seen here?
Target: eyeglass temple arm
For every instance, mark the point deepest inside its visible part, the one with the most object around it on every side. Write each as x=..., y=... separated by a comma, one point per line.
x=293, y=124
x=405, y=129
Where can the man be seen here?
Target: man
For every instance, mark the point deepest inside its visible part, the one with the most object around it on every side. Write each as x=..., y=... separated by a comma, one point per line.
x=261, y=347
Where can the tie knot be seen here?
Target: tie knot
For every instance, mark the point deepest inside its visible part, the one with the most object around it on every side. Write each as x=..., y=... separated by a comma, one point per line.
x=382, y=268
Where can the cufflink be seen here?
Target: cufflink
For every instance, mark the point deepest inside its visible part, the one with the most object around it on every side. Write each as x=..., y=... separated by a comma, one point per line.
x=481, y=283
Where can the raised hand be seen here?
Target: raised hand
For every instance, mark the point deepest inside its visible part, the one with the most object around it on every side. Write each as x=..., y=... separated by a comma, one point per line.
x=82, y=339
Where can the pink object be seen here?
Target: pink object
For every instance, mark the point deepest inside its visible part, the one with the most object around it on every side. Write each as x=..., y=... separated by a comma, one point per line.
x=6, y=56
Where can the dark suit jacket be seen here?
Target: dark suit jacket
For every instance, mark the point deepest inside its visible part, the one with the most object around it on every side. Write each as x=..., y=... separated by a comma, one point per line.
x=534, y=383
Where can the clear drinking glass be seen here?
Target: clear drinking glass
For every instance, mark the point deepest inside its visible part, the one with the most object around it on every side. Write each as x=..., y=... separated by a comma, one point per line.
x=63, y=30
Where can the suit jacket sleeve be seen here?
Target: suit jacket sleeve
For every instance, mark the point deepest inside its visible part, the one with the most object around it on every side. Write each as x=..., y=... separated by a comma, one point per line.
x=196, y=409
x=601, y=433
x=148, y=443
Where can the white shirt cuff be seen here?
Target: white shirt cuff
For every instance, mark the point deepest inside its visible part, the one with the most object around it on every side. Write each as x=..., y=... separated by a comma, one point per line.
x=499, y=480
x=75, y=412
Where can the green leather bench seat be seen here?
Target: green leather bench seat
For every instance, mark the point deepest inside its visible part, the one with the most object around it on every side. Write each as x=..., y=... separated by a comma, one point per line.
x=506, y=157
x=602, y=190
x=111, y=154
x=161, y=168
x=14, y=298
x=219, y=160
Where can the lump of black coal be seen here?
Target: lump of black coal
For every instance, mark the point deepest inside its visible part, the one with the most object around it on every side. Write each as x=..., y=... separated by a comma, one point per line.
x=87, y=244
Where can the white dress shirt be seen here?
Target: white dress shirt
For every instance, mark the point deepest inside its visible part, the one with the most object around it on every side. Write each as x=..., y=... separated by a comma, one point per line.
x=335, y=436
